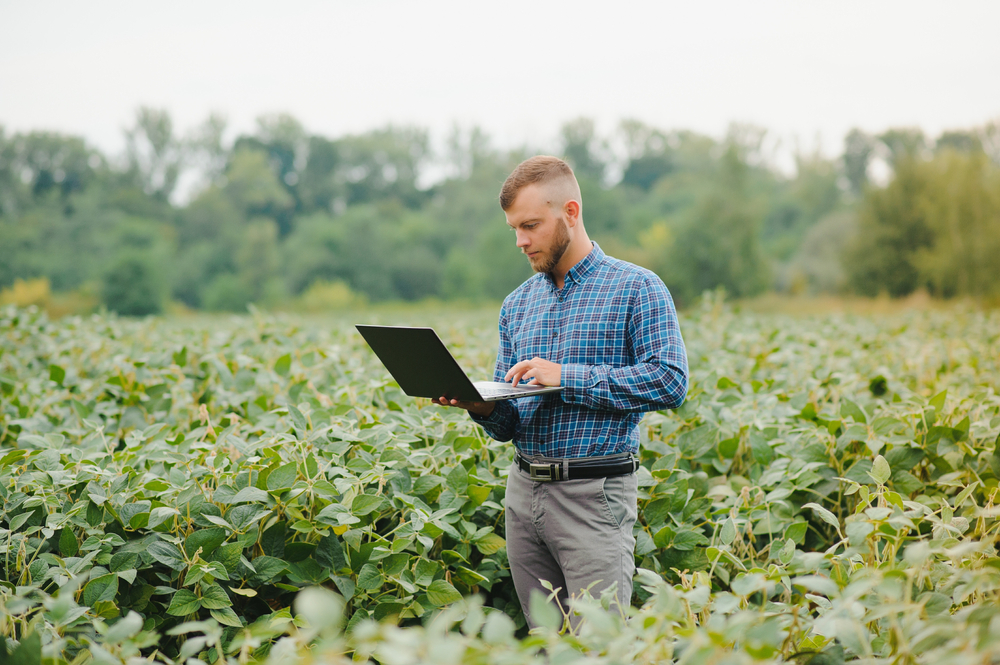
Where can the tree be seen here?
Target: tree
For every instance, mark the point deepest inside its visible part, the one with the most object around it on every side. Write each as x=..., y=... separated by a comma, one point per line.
x=155, y=155
x=962, y=207
x=384, y=164
x=907, y=143
x=206, y=149
x=583, y=149
x=892, y=228
x=717, y=242
x=649, y=154
x=858, y=149
x=131, y=286
x=253, y=187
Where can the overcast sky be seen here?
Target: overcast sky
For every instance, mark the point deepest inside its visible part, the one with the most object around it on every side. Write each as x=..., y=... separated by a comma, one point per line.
x=518, y=69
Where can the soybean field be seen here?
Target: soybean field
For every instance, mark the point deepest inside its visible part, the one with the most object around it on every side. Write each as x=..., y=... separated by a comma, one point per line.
x=256, y=488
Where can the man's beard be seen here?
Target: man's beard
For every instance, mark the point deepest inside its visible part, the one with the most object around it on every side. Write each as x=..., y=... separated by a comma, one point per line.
x=559, y=246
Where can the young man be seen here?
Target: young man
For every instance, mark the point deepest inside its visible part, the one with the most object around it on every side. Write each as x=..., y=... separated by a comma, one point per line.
x=606, y=331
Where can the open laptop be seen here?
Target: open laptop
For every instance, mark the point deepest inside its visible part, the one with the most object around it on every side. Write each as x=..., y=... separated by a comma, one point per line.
x=423, y=367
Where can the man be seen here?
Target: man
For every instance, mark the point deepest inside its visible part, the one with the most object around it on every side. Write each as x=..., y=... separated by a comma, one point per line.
x=606, y=331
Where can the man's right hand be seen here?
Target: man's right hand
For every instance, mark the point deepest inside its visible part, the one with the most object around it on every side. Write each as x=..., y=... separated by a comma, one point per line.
x=483, y=409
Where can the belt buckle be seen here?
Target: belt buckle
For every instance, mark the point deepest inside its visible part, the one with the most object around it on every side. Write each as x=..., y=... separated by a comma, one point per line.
x=544, y=473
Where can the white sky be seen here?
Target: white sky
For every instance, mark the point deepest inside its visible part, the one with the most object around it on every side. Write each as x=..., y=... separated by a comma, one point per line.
x=519, y=69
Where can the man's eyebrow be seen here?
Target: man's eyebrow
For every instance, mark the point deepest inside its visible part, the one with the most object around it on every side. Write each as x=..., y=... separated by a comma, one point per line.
x=524, y=221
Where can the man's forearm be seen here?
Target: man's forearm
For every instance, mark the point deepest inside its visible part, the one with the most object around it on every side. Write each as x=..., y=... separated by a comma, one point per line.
x=502, y=421
x=641, y=387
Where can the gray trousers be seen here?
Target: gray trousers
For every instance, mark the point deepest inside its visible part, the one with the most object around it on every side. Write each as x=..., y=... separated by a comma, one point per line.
x=572, y=533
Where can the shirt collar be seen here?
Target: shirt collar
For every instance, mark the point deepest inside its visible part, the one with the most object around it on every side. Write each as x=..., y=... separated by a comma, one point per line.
x=577, y=273
x=580, y=270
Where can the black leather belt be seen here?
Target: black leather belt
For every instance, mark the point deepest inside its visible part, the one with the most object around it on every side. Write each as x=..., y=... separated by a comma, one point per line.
x=545, y=469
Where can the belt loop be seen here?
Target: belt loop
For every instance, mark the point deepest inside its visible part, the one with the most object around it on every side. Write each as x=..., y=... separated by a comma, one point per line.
x=565, y=469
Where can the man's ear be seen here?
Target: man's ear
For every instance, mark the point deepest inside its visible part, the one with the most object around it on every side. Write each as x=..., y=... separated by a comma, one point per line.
x=572, y=211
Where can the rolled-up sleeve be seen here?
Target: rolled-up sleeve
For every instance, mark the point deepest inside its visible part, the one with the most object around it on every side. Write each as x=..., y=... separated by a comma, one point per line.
x=658, y=377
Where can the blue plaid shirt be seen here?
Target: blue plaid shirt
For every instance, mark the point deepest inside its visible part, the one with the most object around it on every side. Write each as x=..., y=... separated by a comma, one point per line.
x=613, y=328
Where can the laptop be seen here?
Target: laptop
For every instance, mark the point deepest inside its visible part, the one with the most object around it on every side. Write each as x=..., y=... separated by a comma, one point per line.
x=423, y=367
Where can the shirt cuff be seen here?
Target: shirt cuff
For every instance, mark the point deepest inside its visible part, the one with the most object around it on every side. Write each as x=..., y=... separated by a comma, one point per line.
x=573, y=378
x=494, y=418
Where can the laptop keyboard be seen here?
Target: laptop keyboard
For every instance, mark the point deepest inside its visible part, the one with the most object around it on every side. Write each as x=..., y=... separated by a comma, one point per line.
x=509, y=390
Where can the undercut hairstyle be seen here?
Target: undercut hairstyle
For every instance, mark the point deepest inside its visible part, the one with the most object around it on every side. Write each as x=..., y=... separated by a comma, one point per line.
x=537, y=171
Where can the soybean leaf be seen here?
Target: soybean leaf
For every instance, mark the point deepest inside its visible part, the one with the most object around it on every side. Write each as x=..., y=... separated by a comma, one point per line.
x=441, y=593
x=824, y=515
x=282, y=478
x=880, y=472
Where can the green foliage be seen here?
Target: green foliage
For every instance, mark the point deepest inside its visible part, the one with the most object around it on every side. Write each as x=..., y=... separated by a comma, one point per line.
x=132, y=287
x=935, y=226
x=828, y=488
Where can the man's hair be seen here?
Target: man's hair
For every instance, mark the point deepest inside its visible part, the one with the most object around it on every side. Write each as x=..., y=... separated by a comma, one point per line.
x=535, y=171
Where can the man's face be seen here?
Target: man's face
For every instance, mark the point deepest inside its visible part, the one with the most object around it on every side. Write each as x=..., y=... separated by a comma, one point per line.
x=542, y=233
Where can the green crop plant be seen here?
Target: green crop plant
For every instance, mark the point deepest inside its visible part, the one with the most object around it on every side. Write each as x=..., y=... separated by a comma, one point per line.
x=257, y=488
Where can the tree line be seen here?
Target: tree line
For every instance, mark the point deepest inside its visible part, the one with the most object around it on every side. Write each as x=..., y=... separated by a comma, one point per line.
x=284, y=217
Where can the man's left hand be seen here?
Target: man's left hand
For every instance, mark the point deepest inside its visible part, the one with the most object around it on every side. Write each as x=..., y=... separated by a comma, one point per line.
x=541, y=372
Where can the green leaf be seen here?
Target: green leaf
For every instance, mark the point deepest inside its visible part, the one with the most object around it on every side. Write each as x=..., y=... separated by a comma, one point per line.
x=250, y=494
x=159, y=515
x=458, y=479
x=369, y=578
x=226, y=617
x=656, y=511
x=298, y=419
x=824, y=515
x=688, y=540
x=167, y=554
x=57, y=374
x=491, y=543
x=181, y=357
x=283, y=364
x=728, y=534
x=478, y=494
x=104, y=587
x=124, y=561
x=28, y=651
x=19, y=520
x=937, y=402
x=543, y=612
x=695, y=443
x=68, y=544
x=797, y=532
x=228, y=555
x=282, y=478
x=965, y=494
x=880, y=472
x=330, y=553
x=858, y=531
x=849, y=409
x=365, y=503
x=183, y=602
x=441, y=593
x=214, y=597
x=268, y=568
x=762, y=451
x=817, y=584
x=207, y=539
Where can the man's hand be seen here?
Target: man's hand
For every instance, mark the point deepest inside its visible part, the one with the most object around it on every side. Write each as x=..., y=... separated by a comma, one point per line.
x=541, y=372
x=479, y=408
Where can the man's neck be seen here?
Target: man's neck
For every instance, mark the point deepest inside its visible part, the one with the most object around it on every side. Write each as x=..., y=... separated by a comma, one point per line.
x=576, y=252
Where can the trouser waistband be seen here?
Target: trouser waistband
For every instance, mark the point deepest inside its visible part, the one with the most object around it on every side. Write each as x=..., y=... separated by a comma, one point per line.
x=545, y=469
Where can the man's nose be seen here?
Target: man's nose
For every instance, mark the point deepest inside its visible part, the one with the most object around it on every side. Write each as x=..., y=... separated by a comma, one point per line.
x=522, y=239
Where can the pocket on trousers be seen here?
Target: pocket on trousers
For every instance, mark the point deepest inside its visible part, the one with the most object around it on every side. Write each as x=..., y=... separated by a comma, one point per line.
x=614, y=497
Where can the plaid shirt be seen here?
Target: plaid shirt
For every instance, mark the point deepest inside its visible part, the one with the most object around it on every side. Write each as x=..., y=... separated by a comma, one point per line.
x=613, y=328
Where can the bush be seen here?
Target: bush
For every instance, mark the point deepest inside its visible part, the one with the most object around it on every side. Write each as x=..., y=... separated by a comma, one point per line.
x=132, y=286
